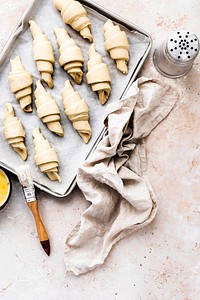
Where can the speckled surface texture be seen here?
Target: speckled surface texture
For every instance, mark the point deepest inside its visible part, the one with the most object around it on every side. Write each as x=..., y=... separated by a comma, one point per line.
x=160, y=261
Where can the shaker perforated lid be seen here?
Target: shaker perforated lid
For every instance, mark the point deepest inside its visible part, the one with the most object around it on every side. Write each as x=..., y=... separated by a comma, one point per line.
x=175, y=56
x=183, y=46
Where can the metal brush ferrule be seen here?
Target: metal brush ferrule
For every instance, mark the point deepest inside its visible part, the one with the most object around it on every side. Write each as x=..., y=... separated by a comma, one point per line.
x=29, y=194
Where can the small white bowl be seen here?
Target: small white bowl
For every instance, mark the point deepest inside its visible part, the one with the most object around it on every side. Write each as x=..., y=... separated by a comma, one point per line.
x=7, y=197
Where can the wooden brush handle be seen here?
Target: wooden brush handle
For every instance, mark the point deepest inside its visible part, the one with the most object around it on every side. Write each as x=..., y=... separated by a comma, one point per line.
x=42, y=234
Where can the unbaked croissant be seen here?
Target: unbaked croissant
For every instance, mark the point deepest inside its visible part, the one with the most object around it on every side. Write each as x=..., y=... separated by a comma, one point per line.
x=20, y=83
x=14, y=132
x=47, y=109
x=98, y=75
x=116, y=43
x=76, y=110
x=45, y=156
x=71, y=57
x=43, y=53
x=74, y=14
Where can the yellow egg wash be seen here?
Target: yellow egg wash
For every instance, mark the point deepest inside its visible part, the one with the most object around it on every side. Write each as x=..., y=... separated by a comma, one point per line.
x=4, y=187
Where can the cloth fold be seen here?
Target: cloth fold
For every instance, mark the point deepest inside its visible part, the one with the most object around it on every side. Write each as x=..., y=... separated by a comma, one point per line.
x=114, y=179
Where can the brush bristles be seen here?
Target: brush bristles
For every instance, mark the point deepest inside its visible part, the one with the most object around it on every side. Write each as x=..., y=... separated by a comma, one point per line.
x=24, y=176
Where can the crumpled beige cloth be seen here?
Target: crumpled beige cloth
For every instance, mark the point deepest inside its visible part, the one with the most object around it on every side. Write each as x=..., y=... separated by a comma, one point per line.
x=114, y=179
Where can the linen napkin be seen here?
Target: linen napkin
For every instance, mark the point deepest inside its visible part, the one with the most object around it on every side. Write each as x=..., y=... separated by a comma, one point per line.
x=114, y=179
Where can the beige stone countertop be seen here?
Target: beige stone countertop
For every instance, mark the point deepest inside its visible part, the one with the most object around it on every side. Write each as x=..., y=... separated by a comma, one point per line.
x=160, y=261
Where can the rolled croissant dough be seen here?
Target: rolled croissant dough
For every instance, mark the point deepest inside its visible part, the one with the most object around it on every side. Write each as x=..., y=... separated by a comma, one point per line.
x=116, y=43
x=98, y=75
x=14, y=132
x=77, y=111
x=71, y=57
x=74, y=14
x=47, y=109
x=20, y=82
x=43, y=53
x=45, y=156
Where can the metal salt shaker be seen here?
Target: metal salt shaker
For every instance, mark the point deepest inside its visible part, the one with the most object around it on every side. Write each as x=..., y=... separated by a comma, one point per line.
x=174, y=58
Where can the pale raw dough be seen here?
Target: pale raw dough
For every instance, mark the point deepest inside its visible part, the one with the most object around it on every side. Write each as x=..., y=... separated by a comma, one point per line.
x=76, y=110
x=47, y=109
x=43, y=53
x=98, y=75
x=20, y=84
x=14, y=132
x=74, y=14
x=71, y=57
x=45, y=156
x=116, y=43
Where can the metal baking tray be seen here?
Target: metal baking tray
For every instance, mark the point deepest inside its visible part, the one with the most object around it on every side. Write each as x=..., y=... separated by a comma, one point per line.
x=71, y=150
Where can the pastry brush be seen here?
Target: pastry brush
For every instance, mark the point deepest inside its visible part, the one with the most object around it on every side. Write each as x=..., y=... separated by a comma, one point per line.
x=25, y=178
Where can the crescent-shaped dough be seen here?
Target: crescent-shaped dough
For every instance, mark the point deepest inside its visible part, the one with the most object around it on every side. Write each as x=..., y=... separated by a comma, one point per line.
x=98, y=75
x=71, y=57
x=20, y=84
x=45, y=156
x=43, y=53
x=76, y=110
x=74, y=14
x=116, y=43
x=47, y=109
x=14, y=132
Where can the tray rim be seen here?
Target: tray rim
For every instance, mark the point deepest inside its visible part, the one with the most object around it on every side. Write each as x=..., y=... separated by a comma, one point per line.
x=116, y=18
